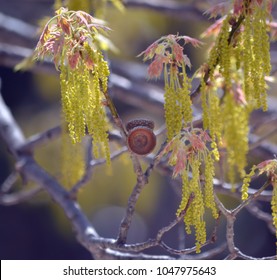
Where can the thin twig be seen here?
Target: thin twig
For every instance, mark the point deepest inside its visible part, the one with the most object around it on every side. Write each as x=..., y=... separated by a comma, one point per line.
x=258, y=213
x=177, y=220
x=207, y=255
x=246, y=257
x=40, y=139
x=260, y=140
x=88, y=169
x=9, y=182
x=155, y=241
x=19, y=27
x=250, y=198
x=11, y=134
x=19, y=197
x=230, y=217
x=142, y=180
x=127, y=219
x=115, y=114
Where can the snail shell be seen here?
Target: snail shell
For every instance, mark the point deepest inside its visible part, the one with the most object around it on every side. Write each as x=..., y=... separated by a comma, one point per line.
x=141, y=139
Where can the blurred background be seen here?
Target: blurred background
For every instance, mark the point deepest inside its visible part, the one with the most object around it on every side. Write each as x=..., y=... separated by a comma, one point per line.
x=38, y=229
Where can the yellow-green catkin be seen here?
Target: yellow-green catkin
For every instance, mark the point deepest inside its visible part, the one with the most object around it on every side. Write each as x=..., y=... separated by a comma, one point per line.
x=184, y=99
x=72, y=94
x=72, y=155
x=191, y=157
x=247, y=58
x=224, y=56
x=274, y=207
x=239, y=61
x=219, y=58
x=98, y=125
x=185, y=192
x=235, y=131
x=211, y=115
x=212, y=120
x=194, y=217
x=256, y=58
x=172, y=112
x=268, y=167
x=73, y=164
x=82, y=105
x=246, y=182
x=220, y=53
x=209, y=186
x=178, y=105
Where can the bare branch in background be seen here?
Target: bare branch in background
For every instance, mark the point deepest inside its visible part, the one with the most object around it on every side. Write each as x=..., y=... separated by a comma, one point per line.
x=172, y=8
x=18, y=197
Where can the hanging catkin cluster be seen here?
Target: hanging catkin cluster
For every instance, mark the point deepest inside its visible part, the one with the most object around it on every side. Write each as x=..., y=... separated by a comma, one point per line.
x=187, y=147
x=189, y=154
x=256, y=57
x=238, y=64
x=168, y=58
x=71, y=39
x=269, y=168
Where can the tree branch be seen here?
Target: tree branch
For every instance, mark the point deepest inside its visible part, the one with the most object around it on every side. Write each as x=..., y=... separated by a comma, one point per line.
x=18, y=197
x=167, y=7
x=9, y=130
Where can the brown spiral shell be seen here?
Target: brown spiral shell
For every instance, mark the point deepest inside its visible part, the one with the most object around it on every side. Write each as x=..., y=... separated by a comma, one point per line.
x=141, y=139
